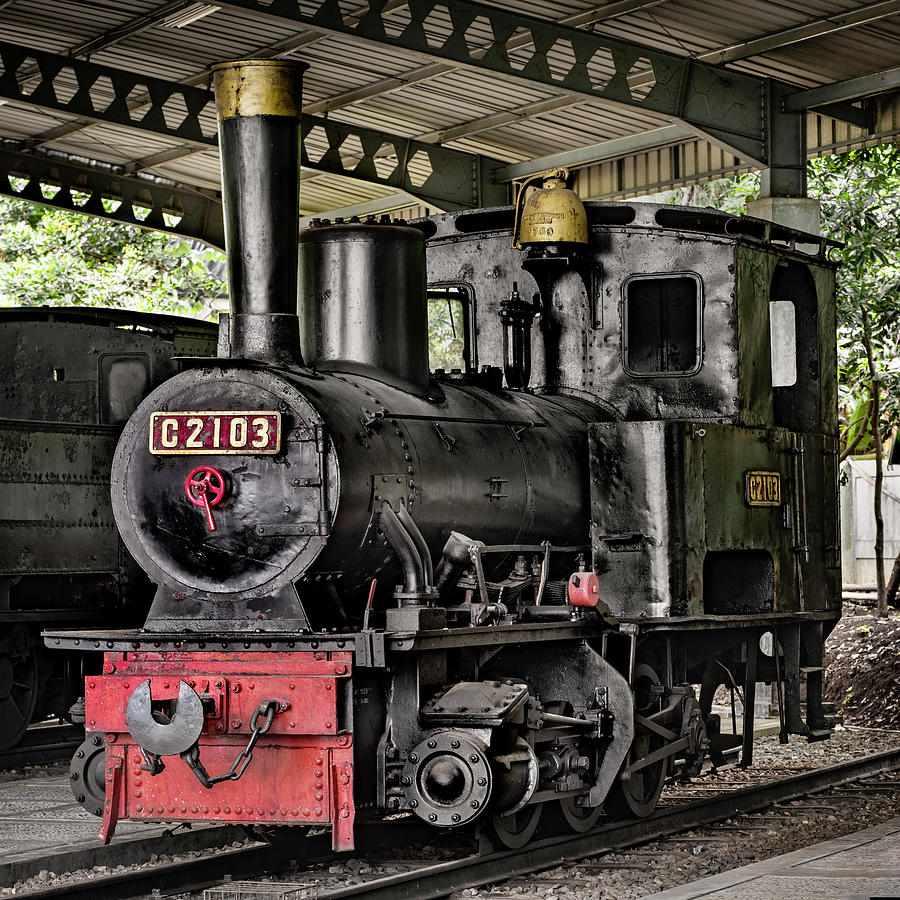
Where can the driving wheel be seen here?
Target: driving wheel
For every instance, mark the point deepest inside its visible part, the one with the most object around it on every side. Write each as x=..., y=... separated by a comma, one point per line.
x=516, y=829
x=637, y=797
x=18, y=693
x=565, y=815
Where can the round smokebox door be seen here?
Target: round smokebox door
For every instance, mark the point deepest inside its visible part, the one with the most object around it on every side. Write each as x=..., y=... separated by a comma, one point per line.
x=222, y=481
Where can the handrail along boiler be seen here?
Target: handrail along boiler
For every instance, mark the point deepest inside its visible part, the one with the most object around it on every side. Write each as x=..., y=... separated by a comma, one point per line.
x=504, y=595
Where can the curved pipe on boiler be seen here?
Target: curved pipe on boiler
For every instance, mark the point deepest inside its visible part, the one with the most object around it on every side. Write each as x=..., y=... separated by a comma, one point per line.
x=405, y=548
x=455, y=559
x=407, y=521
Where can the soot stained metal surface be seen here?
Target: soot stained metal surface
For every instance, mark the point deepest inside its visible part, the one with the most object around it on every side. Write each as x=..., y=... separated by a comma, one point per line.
x=386, y=606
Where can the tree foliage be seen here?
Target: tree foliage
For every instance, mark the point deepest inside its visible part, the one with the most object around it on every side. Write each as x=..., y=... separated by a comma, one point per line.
x=860, y=195
x=446, y=334
x=56, y=258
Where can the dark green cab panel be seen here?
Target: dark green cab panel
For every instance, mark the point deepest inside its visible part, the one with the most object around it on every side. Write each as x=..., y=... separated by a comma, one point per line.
x=763, y=276
x=693, y=518
x=55, y=510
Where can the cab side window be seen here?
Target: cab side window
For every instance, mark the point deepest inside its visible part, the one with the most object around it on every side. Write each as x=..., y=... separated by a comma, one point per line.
x=661, y=332
x=450, y=317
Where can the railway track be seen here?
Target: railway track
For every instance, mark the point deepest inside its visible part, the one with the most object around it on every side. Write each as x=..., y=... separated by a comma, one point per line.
x=442, y=879
x=43, y=744
x=165, y=878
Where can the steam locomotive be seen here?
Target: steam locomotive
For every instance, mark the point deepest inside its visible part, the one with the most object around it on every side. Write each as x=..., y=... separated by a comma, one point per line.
x=69, y=379
x=500, y=595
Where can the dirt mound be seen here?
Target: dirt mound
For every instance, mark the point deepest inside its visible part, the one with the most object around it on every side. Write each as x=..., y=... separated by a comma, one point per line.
x=862, y=658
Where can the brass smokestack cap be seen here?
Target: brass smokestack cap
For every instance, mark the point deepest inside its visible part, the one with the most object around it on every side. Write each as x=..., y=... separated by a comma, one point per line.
x=259, y=87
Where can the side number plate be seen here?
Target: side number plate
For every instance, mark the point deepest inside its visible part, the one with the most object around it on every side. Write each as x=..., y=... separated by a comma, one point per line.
x=762, y=488
x=232, y=432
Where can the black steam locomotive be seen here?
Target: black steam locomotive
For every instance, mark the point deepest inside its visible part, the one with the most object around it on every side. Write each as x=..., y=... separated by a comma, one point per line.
x=69, y=380
x=485, y=595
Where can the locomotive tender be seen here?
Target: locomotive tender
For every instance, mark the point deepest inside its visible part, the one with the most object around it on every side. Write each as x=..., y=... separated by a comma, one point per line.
x=483, y=596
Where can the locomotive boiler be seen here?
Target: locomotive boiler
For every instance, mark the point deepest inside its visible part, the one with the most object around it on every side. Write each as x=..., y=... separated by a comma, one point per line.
x=503, y=595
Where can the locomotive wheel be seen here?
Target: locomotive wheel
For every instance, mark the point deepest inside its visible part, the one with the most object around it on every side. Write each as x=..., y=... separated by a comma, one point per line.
x=565, y=815
x=18, y=695
x=87, y=774
x=516, y=829
x=637, y=797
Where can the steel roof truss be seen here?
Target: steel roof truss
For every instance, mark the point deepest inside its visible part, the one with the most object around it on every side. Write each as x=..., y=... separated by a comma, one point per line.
x=450, y=179
x=726, y=105
x=844, y=91
x=860, y=116
x=101, y=192
x=181, y=101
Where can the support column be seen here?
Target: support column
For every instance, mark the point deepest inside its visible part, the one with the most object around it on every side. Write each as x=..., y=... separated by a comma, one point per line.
x=783, y=197
x=752, y=648
x=812, y=652
x=783, y=201
x=789, y=638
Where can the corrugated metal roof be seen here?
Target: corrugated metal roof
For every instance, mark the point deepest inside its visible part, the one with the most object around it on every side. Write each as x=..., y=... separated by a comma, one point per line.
x=451, y=99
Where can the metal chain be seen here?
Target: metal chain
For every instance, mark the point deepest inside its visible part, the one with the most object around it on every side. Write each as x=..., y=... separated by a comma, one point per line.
x=266, y=711
x=267, y=708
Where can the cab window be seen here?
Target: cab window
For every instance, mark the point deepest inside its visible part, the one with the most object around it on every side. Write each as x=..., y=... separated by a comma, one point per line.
x=449, y=327
x=661, y=333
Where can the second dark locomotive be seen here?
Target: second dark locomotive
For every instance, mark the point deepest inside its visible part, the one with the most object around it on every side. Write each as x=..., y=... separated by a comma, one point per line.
x=483, y=596
x=69, y=380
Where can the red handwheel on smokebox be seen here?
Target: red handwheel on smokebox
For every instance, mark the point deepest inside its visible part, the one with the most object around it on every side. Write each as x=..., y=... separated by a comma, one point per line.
x=205, y=487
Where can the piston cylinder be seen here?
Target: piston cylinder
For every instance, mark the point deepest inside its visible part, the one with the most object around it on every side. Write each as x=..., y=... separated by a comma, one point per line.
x=362, y=299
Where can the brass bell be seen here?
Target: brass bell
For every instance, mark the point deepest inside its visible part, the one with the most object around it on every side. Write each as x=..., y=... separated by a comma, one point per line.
x=553, y=214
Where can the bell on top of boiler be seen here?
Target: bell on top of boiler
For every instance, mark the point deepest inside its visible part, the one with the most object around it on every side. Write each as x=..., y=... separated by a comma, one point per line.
x=552, y=214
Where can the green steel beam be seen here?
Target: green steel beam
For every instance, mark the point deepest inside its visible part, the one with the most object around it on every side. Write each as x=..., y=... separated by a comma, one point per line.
x=726, y=106
x=439, y=176
x=96, y=190
x=861, y=117
x=585, y=156
x=450, y=179
x=844, y=91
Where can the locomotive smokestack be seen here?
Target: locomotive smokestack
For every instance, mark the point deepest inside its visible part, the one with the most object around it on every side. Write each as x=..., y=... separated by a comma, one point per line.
x=258, y=103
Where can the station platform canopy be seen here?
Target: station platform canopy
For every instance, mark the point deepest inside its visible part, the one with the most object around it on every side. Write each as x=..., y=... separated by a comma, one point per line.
x=425, y=105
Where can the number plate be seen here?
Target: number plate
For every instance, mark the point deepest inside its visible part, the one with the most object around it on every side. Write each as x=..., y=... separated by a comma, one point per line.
x=763, y=488
x=217, y=432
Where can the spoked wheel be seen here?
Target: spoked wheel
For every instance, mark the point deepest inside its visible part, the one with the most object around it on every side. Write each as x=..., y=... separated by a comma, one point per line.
x=637, y=797
x=565, y=816
x=18, y=695
x=516, y=829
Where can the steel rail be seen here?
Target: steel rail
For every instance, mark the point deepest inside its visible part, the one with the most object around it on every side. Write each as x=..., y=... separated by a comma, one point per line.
x=193, y=874
x=181, y=876
x=444, y=878
x=46, y=744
